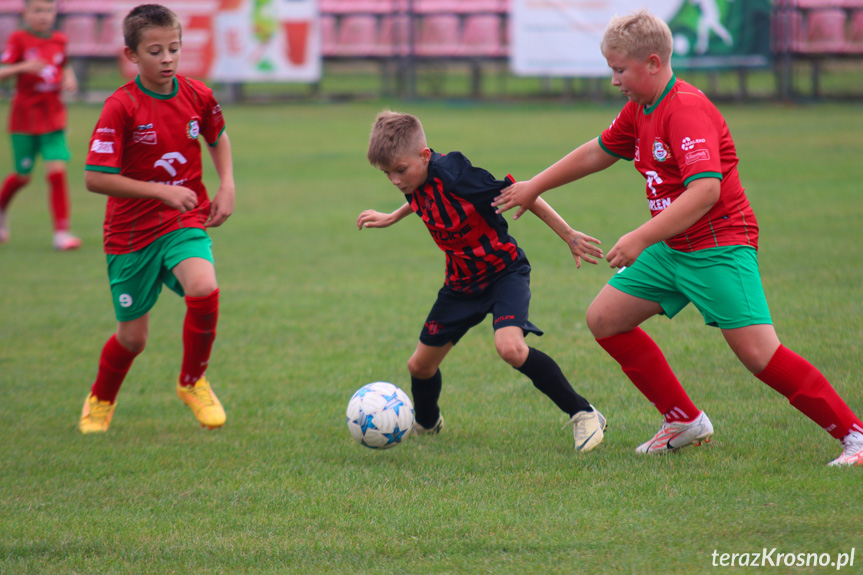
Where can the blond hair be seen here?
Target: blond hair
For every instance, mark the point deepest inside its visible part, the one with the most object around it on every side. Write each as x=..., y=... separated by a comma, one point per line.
x=394, y=135
x=638, y=35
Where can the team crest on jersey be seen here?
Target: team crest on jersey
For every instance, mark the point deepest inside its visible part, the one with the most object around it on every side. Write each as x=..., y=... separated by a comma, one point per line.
x=427, y=203
x=194, y=130
x=660, y=151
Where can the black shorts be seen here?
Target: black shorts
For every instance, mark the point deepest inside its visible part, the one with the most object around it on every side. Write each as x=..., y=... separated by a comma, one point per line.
x=454, y=313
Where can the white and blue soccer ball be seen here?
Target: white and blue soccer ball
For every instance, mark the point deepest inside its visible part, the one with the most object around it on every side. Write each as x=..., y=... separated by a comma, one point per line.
x=380, y=415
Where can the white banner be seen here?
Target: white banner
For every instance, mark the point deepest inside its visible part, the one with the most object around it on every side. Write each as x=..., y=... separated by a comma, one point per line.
x=244, y=40
x=561, y=37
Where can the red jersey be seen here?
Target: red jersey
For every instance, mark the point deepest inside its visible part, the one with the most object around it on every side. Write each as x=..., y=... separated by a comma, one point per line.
x=37, y=107
x=154, y=138
x=681, y=138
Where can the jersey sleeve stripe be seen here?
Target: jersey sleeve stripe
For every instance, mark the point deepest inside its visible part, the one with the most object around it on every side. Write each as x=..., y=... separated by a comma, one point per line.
x=607, y=151
x=105, y=169
x=689, y=180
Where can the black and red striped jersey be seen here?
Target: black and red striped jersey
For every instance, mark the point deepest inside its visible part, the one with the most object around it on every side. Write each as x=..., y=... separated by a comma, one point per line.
x=455, y=204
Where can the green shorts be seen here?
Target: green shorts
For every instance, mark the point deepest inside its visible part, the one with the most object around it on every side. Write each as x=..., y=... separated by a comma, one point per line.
x=51, y=147
x=723, y=283
x=137, y=278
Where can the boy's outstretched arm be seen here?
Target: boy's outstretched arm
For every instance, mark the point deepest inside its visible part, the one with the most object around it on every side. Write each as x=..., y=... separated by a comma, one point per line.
x=32, y=66
x=178, y=197
x=581, y=245
x=222, y=205
x=587, y=159
x=374, y=219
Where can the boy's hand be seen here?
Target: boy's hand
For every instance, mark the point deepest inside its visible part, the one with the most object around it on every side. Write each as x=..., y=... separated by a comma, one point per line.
x=373, y=219
x=221, y=207
x=70, y=81
x=626, y=250
x=583, y=247
x=519, y=194
x=180, y=198
x=32, y=66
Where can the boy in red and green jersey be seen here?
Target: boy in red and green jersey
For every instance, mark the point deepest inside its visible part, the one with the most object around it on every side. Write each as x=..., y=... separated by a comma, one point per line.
x=145, y=155
x=36, y=55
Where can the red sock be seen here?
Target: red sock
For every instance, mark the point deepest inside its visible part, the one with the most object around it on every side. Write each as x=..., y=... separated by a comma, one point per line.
x=645, y=365
x=810, y=392
x=199, y=332
x=114, y=364
x=11, y=185
x=59, y=200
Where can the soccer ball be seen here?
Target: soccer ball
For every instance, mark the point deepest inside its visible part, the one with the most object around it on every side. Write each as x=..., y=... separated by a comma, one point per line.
x=380, y=415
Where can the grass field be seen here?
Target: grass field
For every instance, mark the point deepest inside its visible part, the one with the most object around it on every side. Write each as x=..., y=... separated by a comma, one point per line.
x=311, y=309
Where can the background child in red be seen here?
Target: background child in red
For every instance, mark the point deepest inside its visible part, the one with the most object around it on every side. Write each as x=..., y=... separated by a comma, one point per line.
x=699, y=246
x=37, y=119
x=145, y=154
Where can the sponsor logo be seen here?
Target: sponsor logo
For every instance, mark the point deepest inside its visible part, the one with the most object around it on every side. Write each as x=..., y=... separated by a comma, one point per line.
x=101, y=147
x=503, y=318
x=659, y=205
x=145, y=127
x=433, y=327
x=637, y=151
x=194, y=130
x=696, y=156
x=660, y=151
x=688, y=143
x=148, y=138
x=106, y=131
x=451, y=238
x=125, y=300
x=217, y=109
x=167, y=162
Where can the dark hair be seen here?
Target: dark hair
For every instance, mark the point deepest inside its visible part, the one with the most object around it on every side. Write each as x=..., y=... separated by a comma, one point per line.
x=143, y=18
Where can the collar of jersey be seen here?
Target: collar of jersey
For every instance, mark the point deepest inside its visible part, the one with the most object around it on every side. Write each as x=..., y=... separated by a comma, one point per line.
x=154, y=94
x=662, y=97
x=43, y=35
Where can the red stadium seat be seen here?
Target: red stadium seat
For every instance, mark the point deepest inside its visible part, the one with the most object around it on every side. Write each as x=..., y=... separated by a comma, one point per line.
x=8, y=24
x=855, y=32
x=328, y=34
x=438, y=6
x=11, y=7
x=358, y=36
x=825, y=31
x=438, y=35
x=81, y=30
x=393, y=36
x=483, y=36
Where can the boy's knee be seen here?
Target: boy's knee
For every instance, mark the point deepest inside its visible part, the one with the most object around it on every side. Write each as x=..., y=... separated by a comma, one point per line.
x=513, y=352
x=134, y=341
x=419, y=369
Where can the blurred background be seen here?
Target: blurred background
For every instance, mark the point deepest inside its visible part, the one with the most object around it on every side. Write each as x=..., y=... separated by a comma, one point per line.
x=267, y=50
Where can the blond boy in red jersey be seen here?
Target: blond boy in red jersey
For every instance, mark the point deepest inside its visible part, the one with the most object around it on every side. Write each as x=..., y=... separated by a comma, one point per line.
x=699, y=246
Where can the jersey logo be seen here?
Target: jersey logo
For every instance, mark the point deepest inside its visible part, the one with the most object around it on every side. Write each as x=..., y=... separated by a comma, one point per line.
x=433, y=327
x=660, y=151
x=688, y=143
x=148, y=137
x=696, y=156
x=101, y=147
x=167, y=162
x=194, y=130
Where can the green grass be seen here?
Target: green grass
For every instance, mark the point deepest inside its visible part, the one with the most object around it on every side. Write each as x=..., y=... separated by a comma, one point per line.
x=311, y=309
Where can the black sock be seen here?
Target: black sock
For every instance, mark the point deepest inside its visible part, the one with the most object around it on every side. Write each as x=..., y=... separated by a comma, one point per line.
x=549, y=379
x=426, y=393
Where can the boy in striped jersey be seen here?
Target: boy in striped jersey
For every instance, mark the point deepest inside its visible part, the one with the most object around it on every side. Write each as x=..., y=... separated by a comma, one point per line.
x=486, y=271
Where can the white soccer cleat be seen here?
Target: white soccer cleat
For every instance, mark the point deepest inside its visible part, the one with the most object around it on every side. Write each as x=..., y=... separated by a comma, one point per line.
x=418, y=429
x=588, y=429
x=64, y=242
x=852, y=454
x=673, y=436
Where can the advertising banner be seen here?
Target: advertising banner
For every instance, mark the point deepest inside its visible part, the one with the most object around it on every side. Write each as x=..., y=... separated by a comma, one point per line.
x=245, y=40
x=561, y=37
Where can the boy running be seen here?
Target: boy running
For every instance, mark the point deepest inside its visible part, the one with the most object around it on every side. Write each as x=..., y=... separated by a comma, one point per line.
x=37, y=117
x=486, y=271
x=145, y=154
x=700, y=245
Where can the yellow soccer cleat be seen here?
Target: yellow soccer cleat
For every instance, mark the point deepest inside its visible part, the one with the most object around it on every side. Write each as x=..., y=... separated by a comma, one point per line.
x=96, y=416
x=203, y=403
